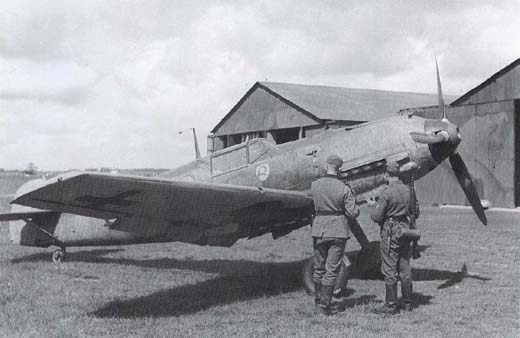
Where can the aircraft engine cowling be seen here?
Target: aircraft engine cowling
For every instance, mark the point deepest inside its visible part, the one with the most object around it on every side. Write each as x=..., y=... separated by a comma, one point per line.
x=365, y=182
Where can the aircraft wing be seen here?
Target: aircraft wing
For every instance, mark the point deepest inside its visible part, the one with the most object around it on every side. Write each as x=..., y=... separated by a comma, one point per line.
x=156, y=200
x=15, y=216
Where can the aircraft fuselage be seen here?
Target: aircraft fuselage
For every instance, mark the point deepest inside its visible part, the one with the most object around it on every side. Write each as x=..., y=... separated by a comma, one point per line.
x=290, y=166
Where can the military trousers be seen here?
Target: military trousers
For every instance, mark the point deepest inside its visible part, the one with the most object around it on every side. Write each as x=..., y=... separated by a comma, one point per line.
x=395, y=255
x=328, y=255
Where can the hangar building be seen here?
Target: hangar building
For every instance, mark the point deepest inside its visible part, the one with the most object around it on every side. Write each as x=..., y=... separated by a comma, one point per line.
x=489, y=118
x=286, y=112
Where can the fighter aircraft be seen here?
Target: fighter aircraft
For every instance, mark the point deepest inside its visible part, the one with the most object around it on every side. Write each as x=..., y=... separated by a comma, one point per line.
x=243, y=191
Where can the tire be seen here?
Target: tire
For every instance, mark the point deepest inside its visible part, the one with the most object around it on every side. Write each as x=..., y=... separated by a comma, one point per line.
x=308, y=269
x=58, y=256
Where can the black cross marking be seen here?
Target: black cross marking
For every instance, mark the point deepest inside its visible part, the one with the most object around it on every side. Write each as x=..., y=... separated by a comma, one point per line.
x=96, y=202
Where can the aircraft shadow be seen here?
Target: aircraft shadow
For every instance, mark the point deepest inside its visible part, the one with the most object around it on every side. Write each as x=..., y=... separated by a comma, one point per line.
x=233, y=266
x=238, y=280
x=420, y=299
x=451, y=278
x=349, y=303
x=224, y=267
x=258, y=281
x=78, y=256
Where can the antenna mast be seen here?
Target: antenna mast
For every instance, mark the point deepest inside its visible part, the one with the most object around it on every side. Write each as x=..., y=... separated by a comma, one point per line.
x=196, y=143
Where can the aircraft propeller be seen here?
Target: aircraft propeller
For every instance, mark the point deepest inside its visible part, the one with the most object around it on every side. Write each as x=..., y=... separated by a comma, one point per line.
x=466, y=183
x=427, y=138
x=443, y=141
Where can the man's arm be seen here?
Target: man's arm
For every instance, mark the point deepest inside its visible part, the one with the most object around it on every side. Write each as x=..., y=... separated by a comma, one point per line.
x=351, y=208
x=378, y=215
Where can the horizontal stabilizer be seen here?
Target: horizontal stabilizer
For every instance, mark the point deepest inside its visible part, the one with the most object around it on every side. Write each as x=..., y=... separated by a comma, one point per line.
x=15, y=216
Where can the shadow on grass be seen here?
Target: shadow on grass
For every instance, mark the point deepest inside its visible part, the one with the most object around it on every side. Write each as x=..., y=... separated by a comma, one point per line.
x=225, y=267
x=369, y=257
x=353, y=302
x=238, y=280
x=420, y=299
x=252, y=280
x=231, y=266
x=459, y=277
x=451, y=278
x=80, y=256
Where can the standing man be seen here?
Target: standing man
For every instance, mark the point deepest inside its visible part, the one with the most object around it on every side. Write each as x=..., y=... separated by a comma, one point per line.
x=333, y=203
x=396, y=204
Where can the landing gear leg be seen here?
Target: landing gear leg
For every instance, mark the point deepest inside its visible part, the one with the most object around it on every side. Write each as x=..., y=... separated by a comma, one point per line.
x=59, y=255
x=368, y=261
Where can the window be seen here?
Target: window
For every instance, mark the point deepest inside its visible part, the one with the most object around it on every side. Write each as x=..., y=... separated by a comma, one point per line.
x=231, y=158
x=239, y=155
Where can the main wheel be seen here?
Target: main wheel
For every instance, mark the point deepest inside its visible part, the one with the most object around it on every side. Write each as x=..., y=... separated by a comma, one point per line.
x=308, y=283
x=58, y=255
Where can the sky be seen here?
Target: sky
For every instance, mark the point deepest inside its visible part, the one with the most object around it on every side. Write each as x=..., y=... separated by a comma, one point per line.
x=110, y=83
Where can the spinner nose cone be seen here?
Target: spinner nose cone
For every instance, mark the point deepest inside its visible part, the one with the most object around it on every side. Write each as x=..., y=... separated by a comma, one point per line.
x=441, y=136
x=439, y=133
x=453, y=134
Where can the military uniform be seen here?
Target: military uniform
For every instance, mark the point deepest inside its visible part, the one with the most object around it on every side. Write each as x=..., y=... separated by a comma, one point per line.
x=397, y=202
x=333, y=203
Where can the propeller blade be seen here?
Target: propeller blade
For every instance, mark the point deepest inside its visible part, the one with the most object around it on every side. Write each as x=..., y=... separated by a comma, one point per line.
x=427, y=138
x=465, y=181
x=439, y=92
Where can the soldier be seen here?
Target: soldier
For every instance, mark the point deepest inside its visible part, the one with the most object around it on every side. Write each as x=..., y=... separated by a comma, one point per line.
x=333, y=203
x=396, y=204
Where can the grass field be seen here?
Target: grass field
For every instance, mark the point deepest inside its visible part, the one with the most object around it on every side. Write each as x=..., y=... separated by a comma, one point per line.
x=254, y=290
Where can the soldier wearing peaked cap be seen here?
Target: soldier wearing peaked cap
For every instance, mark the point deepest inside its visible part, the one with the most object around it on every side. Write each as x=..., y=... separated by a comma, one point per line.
x=396, y=204
x=333, y=203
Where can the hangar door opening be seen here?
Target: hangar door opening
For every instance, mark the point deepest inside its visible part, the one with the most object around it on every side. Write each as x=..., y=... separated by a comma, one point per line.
x=517, y=152
x=285, y=135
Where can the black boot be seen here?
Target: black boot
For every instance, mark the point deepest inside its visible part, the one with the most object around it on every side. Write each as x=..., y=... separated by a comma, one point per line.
x=406, y=290
x=390, y=306
x=326, y=300
x=317, y=297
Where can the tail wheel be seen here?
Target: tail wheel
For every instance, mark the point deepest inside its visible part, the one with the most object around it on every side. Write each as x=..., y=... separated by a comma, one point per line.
x=308, y=283
x=58, y=255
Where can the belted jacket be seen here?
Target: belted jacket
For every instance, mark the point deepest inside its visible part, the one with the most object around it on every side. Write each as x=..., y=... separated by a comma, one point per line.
x=397, y=201
x=334, y=203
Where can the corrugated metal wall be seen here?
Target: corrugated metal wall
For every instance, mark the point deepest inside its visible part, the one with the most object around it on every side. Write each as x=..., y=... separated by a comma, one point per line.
x=500, y=87
x=488, y=149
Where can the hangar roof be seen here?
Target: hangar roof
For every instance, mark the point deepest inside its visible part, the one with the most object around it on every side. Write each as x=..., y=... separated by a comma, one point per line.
x=337, y=103
x=501, y=86
x=322, y=103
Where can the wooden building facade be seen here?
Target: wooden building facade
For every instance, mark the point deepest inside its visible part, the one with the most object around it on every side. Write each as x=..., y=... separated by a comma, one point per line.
x=286, y=112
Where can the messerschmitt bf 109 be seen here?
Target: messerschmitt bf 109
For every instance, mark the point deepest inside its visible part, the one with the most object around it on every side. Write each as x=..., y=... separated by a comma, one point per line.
x=243, y=191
